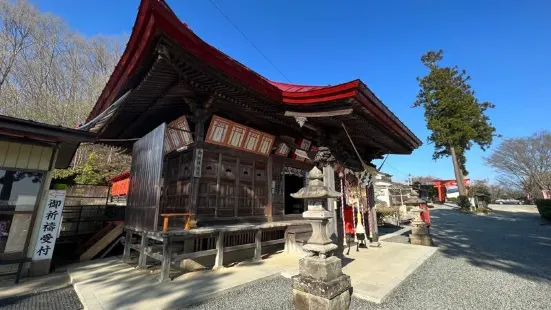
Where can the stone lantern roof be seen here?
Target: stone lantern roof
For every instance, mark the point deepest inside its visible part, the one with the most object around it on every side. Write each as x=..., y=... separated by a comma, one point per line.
x=315, y=188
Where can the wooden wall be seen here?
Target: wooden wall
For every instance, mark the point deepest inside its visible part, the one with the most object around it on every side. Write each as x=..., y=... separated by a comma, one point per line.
x=25, y=156
x=145, y=181
x=233, y=184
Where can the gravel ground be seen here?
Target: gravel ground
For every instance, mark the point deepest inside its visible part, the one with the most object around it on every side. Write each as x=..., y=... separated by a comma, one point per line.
x=498, y=261
x=60, y=299
x=403, y=238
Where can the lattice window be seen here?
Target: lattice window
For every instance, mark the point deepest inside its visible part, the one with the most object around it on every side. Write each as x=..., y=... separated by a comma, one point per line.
x=229, y=168
x=251, y=143
x=260, y=172
x=184, y=170
x=237, y=135
x=246, y=172
x=206, y=200
x=226, y=200
x=266, y=144
x=219, y=131
x=173, y=168
x=246, y=199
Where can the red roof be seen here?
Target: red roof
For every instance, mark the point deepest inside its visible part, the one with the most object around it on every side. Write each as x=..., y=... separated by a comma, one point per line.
x=155, y=16
x=285, y=87
x=122, y=176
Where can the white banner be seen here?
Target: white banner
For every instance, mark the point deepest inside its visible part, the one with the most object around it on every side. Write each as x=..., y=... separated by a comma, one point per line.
x=49, y=225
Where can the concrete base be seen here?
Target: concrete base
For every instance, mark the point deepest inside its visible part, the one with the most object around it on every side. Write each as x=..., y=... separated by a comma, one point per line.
x=321, y=284
x=421, y=240
x=375, y=244
x=39, y=268
x=306, y=301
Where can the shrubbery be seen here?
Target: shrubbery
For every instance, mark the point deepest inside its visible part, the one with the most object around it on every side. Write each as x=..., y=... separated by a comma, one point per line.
x=463, y=202
x=385, y=211
x=544, y=208
x=452, y=199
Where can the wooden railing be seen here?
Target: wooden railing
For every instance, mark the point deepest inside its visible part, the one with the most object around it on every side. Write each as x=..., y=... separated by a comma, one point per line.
x=206, y=241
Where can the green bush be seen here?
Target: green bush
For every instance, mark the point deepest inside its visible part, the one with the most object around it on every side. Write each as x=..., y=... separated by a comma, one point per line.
x=452, y=199
x=385, y=211
x=463, y=202
x=544, y=208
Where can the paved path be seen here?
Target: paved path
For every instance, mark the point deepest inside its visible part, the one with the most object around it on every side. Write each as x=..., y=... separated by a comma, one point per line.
x=498, y=261
x=111, y=284
x=57, y=299
x=376, y=272
x=515, y=208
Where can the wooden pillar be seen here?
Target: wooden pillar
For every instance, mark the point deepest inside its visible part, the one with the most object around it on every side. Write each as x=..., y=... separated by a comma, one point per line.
x=269, y=180
x=167, y=256
x=329, y=181
x=237, y=189
x=258, y=246
x=200, y=118
x=195, y=183
x=127, y=243
x=142, y=260
x=218, y=173
x=371, y=201
x=219, y=260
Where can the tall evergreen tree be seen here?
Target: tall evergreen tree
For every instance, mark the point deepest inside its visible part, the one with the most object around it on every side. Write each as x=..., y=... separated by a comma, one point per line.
x=455, y=117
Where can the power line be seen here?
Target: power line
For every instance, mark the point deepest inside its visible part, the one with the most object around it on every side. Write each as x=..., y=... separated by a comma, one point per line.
x=396, y=170
x=250, y=41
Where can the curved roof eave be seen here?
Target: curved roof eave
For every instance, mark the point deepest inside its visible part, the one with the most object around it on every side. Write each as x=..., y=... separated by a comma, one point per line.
x=155, y=16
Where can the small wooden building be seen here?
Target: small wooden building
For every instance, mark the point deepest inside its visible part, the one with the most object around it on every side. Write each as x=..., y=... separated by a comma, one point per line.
x=29, y=152
x=213, y=139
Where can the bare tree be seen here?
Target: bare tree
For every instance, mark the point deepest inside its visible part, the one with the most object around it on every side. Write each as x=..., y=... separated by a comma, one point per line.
x=17, y=22
x=424, y=180
x=52, y=74
x=524, y=163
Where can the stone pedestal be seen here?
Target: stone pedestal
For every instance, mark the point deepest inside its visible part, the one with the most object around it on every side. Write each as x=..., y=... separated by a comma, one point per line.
x=321, y=284
x=419, y=233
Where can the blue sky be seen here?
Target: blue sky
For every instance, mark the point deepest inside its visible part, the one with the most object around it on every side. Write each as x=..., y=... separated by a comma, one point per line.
x=504, y=46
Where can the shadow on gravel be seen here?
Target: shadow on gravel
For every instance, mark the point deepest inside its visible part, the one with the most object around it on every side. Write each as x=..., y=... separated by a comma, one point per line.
x=388, y=229
x=58, y=299
x=512, y=242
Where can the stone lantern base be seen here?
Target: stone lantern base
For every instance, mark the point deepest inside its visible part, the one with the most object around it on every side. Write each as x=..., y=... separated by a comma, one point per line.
x=419, y=233
x=321, y=284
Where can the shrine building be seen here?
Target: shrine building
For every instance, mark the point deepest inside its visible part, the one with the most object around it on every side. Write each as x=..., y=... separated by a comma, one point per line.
x=217, y=149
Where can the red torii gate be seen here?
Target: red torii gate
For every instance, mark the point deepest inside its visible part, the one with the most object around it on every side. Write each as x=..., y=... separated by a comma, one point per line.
x=441, y=186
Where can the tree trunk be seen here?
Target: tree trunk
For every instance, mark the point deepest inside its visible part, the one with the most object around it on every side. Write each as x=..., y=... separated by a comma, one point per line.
x=458, y=173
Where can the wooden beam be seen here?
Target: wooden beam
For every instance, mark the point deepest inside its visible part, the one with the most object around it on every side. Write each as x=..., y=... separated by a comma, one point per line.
x=165, y=265
x=127, y=243
x=320, y=114
x=142, y=260
x=258, y=246
x=219, y=260
x=141, y=117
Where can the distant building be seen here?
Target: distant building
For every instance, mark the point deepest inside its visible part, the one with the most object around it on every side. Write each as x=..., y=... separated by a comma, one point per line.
x=452, y=192
x=392, y=193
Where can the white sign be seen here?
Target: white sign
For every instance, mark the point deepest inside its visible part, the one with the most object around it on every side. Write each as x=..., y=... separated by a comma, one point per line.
x=49, y=225
x=198, y=163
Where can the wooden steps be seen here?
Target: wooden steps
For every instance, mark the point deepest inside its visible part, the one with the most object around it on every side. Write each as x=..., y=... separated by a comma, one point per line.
x=95, y=238
x=103, y=241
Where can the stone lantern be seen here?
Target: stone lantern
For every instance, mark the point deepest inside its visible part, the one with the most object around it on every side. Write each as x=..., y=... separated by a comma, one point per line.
x=320, y=283
x=419, y=233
